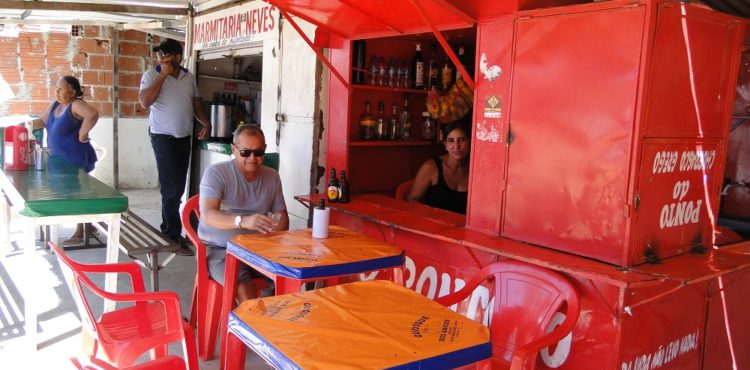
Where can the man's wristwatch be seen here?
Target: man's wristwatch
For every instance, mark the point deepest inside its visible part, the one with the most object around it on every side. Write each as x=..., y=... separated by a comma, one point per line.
x=238, y=221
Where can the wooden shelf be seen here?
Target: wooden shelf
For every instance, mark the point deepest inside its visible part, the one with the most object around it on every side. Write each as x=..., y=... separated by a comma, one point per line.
x=256, y=83
x=375, y=143
x=388, y=89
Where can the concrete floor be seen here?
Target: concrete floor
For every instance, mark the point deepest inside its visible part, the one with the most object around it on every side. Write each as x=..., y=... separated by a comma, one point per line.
x=59, y=325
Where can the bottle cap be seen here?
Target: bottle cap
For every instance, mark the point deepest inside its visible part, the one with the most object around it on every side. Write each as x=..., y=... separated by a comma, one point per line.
x=322, y=204
x=425, y=114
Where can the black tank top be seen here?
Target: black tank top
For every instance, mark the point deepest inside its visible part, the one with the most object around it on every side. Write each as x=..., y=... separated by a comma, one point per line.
x=441, y=196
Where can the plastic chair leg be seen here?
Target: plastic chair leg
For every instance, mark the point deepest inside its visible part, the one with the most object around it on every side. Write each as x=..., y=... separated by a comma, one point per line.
x=235, y=347
x=190, y=347
x=207, y=336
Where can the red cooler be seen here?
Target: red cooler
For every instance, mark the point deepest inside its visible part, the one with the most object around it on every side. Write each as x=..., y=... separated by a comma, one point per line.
x=16, y=148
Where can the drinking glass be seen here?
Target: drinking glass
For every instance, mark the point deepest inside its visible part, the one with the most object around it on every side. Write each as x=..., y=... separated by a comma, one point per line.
x=275, y=216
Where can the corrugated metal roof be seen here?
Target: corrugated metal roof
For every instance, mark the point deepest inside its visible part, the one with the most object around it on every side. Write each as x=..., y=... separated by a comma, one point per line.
x=164, y=17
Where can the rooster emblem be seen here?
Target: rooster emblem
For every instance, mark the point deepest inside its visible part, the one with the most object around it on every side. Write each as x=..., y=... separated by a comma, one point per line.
x=491, y=72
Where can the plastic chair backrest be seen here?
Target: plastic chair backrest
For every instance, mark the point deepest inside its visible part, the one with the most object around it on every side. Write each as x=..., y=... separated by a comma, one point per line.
x=79, y=284
x=151, y=321
x=271, y=160
x=192, y=207
x=527, y=301
x=403, y=189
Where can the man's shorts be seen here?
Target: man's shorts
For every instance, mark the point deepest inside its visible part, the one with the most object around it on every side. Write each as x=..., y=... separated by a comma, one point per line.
x=216, y=259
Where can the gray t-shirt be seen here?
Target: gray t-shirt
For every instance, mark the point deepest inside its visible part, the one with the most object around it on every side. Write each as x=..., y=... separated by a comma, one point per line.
x=224, y=181
x=172, y=112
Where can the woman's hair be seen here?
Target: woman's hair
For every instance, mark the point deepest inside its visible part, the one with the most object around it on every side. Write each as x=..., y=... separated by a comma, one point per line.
x=464, y=124
x=73, y=82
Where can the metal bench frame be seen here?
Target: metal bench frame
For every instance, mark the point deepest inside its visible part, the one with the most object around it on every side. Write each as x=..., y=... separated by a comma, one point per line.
x=138, y=239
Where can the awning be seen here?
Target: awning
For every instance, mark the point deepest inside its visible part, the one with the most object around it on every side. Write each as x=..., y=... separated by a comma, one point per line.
x=362, y=19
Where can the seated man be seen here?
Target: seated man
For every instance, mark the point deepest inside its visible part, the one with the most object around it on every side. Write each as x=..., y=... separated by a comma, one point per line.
x=235, y=198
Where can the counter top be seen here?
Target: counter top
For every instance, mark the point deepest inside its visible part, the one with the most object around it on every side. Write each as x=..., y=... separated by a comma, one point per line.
x=448, y=226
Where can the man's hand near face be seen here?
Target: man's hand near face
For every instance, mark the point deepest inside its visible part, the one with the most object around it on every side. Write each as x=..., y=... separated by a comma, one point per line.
x=166, y=68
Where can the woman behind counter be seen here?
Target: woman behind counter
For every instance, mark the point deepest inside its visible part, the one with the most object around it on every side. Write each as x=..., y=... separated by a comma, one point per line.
x=68, y=121
x=443, y=181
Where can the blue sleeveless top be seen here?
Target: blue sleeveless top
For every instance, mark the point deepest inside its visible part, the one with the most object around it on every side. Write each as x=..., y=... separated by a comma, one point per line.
x=62, y=139
x=441, y=196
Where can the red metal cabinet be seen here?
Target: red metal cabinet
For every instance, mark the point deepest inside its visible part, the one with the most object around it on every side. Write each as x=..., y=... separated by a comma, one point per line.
x=601, y=94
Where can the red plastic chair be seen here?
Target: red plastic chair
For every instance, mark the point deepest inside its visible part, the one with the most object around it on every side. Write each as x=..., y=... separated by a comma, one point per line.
x=120, y=337
x=527, y=299
x=205, y=309
x=163, y=363
x=403, y=189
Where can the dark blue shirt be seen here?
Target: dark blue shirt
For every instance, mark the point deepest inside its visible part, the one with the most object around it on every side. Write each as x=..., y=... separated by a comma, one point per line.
x=62, y=139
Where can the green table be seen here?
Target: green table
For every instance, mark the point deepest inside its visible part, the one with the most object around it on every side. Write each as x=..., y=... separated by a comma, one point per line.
x=62, y=193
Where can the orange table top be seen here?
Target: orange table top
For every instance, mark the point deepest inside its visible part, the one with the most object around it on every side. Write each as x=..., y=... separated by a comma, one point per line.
x=363, y=325
x=296, y=254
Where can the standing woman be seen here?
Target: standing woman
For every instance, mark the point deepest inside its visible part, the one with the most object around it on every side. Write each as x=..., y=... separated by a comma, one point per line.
x=443, y=181
x=68, y=121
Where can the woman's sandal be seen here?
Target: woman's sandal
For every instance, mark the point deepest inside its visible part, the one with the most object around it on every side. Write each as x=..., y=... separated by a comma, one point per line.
x=73, y=240
x=78, y=240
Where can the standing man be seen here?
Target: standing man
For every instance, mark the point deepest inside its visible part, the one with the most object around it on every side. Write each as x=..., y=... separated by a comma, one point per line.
x=171, y=94
x=240, y=196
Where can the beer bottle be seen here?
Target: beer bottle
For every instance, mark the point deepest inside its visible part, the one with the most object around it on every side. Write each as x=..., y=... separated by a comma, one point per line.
x=343, y=188
x=333, y=187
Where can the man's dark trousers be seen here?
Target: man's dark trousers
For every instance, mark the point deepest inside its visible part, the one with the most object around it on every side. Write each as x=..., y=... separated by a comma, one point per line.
x=172, y=160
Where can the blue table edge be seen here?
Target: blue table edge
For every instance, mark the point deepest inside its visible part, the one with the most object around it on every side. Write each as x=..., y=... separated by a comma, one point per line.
x=313, y=272
x=270, y=353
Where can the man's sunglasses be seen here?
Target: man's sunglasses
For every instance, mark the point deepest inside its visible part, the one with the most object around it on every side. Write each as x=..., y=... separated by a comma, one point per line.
x=162, y=54
x=244, y=153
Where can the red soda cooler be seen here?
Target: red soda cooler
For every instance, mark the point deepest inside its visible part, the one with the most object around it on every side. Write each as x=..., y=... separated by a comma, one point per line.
x=16, y=148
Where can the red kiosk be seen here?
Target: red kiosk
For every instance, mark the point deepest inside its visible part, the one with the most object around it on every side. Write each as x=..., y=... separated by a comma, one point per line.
x=599, y=143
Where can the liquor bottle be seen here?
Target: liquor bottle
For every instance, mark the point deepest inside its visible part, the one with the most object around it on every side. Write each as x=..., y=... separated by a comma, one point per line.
x=374, y=70
x=406, y=79
x=428, y=128
x=382, y=72
x=358, y=61
x=418, y=68
x=462, y=60
x=333, y=187
x=394, y=126
x=432, y=69
x=380, y=123
x=366, y=124
x=392, y=80
x=405, y=119
x=447, y=76
x=343, y=188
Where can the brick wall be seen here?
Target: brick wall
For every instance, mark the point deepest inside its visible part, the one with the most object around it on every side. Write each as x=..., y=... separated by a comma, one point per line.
x=32, y=63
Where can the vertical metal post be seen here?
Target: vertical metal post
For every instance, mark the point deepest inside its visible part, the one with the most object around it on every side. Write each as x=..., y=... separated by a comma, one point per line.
x=115, y=109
